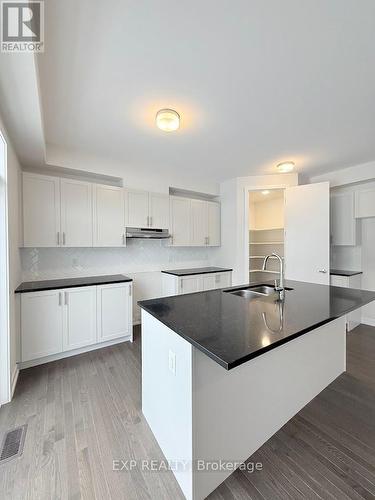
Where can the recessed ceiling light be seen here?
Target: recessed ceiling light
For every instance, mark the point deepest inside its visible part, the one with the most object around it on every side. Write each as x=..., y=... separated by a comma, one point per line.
x=167, y=120
x=286, y=166
x=265, y=191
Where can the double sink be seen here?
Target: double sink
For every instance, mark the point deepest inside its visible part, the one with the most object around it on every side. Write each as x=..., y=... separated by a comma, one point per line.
x=256, y=291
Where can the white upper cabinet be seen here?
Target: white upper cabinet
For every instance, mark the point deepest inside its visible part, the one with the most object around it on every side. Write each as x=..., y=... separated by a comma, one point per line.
x=365, y=203
x=146, y=209
x=41, y=210
x=180, y=221
x=343, y=222
x=159, y=210
x=109, y=216
x=307, y=244
x=79, y=323
x=213, y=215
x=76, y=213
x=137, y=208
x=199, y=223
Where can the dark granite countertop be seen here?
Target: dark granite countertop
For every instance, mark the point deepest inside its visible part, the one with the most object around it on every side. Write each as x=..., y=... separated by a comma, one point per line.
x=39, y=286
x=342, y=272
x=197, y=270
x=232, y=330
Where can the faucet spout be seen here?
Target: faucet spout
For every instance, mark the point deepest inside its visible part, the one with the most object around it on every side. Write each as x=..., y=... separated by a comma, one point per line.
x=279, y=287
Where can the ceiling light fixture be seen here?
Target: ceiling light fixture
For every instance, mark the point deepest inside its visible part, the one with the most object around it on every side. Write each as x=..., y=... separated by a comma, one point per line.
x=265, y=192
x=167, y=120
x=286, y=166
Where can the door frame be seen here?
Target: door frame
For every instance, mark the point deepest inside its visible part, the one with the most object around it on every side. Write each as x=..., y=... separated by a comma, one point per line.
x=5, y=379
x=245, y=227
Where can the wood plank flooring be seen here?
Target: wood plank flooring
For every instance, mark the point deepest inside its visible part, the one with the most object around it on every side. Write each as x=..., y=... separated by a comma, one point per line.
x=84, y=412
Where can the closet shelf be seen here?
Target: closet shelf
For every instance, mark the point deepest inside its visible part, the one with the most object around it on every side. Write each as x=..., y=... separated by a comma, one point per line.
x=266, y=243
x=267, y=229
x=261, y=271
x=261, y=257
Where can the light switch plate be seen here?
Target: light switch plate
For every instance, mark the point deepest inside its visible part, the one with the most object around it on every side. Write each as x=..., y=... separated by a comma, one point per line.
x=172, y=362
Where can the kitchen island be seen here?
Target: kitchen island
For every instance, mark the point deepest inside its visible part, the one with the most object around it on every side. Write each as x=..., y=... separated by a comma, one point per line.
x=223, y=370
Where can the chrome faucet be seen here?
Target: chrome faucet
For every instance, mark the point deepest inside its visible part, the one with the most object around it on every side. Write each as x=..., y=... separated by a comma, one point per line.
x=278, y=287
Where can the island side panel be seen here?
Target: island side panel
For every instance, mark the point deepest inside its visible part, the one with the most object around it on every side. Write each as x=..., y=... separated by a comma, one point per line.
x=236, y=411
x=167, y=394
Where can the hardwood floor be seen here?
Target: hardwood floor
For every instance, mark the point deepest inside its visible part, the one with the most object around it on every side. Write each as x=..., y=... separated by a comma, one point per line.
x=84, y=412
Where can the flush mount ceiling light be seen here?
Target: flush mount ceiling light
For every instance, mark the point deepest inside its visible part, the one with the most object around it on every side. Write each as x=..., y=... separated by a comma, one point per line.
x=286, y=166
x=265, y=192
x=167, y=120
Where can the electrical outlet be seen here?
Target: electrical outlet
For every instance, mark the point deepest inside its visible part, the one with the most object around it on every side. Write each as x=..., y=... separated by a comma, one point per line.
x=172, y=362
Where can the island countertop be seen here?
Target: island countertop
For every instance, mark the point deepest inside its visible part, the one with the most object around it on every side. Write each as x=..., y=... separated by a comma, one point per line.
x=232, y=330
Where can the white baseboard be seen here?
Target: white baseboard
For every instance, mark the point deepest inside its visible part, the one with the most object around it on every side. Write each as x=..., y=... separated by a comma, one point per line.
x=75, y=352
x=15, y=374
x=368, y=321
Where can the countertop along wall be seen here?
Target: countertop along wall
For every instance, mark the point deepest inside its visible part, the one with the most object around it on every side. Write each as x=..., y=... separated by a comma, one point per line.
x=141, y=260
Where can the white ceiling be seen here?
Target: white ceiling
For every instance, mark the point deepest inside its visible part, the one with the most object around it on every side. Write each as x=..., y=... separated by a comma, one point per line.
x=255, y=81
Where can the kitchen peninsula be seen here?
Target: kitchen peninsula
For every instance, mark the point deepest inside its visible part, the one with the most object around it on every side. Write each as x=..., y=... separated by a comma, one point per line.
x=223, y=370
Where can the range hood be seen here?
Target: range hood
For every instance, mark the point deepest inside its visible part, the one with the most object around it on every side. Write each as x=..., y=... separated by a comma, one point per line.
x=147, y=233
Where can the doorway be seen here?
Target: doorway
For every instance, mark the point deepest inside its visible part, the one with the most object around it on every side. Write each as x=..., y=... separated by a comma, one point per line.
x=266, y=232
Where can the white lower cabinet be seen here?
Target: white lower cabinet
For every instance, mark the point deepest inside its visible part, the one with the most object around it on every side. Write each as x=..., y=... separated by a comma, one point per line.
x=114, y=311
x=41, y=324
x=59, y=322
x=353, y=319
x=79, y=317
x=178, y=285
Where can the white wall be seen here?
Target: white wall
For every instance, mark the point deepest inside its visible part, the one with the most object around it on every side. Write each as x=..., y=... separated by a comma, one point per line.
x=13, y=200
x=267, y=213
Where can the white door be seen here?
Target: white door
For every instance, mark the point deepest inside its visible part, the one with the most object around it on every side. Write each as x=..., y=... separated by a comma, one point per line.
x=137, y=208
x=41, y=324
x=114, y=310
x=307, y=233
x=180, y=221
x=213, y=214
x=190, y=284
x=159, y=210
x=41, y=210
x=76, y=213
x=79, y=317
x=199, y=227
x=109, y=216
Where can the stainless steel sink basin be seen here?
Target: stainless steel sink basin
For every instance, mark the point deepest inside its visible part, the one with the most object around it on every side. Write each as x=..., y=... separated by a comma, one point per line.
x=255, y=291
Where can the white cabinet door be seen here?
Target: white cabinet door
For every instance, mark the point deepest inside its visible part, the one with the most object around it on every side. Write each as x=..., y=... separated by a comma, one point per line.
x=365, y=203
x=223, y=280
x=137, y=208
x=180, y=221
x=213, y=214
x=209, y=282
x=190, y=284
x=114, y=310
x=79, y=317
x=159, y=210
x=41, y=324
x=199, y=227
x=307, y=234
x=343, y=222
x=41, y=210
x=76, y=213
x=109, y=216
